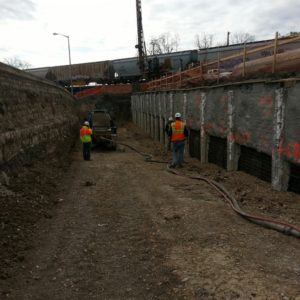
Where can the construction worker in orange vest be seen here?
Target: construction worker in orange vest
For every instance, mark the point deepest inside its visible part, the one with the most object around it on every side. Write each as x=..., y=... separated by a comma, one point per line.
x=86, y=139
x=178, y=134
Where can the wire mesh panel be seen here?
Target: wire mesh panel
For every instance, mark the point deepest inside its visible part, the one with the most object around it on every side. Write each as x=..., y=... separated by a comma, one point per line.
x=194, y=144
x=217, y=151
x=255, y=163
x=294, y=183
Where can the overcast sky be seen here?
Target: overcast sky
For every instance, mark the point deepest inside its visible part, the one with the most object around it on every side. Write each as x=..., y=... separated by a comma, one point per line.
x=106, y=29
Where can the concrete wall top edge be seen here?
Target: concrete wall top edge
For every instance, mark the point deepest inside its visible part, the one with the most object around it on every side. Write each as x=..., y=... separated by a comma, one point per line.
x=11, y=71
x=279, y=82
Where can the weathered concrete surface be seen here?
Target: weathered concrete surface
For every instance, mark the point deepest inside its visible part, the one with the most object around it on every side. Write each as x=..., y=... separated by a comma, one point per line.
x=242, y=113
x=216, y=119
x=34, y=114
x=253, y=125
x=194, y=110
x=290, y=143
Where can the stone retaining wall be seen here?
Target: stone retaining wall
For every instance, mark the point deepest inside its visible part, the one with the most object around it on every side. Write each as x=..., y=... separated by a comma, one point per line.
x=33, y=113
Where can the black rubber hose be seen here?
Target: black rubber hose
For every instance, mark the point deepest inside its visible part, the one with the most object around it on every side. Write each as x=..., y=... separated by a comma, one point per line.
x=147, y=157
x=280, y=226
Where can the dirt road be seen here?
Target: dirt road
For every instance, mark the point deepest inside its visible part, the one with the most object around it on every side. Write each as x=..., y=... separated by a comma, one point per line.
x=127, y=229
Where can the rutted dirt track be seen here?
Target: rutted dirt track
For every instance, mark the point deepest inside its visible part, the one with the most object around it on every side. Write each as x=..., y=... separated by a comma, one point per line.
x=127, y=229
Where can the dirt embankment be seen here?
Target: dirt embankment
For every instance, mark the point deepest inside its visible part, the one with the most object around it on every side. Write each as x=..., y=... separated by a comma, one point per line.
x=118, y=227
x=27, y=196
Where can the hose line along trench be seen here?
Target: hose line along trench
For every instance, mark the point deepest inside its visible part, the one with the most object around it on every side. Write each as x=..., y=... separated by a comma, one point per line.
x=280, y=226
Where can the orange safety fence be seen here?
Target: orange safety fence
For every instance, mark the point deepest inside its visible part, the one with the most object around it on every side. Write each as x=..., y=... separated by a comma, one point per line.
x=175, y=80
x=105, y=89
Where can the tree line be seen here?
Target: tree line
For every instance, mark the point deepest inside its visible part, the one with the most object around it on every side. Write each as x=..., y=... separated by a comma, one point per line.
x=167, y=43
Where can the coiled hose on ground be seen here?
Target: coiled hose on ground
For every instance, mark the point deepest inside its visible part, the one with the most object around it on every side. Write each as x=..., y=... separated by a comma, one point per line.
x=280, y=226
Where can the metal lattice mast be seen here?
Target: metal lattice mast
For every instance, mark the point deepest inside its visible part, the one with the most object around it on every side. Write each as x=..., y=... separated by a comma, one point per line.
x=141, y=43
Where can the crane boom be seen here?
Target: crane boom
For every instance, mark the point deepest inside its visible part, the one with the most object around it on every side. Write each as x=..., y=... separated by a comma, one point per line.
x=141, y=43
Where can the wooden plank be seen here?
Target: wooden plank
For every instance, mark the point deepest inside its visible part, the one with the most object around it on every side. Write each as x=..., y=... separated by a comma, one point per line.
x=271, y=45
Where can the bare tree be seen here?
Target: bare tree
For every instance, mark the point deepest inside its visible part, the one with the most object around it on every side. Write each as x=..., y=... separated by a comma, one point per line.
x=165, y=43
x=241, y=37
x=204, y=41
x=17, y=63
x=221, y=44
x=293, y=34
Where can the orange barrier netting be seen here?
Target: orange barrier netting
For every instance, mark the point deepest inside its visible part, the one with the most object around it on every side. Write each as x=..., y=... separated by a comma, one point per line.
x=105, y=89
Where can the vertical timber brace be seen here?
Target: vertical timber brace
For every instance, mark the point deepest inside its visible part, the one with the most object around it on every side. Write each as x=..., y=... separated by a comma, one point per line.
x=203, y=135
x=280, y=167
x=233, y=149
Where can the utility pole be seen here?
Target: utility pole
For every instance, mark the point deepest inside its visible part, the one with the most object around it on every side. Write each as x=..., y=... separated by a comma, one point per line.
x=141, y=43
x=228, y=34
x=70, y=64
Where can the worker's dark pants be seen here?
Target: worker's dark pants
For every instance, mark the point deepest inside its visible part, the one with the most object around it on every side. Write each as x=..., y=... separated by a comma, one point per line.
x=86, y=151
x=178, y=150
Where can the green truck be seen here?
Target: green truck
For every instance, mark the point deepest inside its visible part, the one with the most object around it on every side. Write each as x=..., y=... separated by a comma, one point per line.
x=104, y=128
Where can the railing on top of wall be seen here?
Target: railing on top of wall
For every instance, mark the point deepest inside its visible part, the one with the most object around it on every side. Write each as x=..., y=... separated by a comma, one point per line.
x=211, y=70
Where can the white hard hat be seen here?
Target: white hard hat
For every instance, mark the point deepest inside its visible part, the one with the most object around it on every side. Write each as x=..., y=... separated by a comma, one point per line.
x=170, y=119
x=86, y=123
x=178, y=115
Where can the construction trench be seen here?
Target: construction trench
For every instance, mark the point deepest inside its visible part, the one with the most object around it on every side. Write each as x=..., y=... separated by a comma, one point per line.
x=119, y=227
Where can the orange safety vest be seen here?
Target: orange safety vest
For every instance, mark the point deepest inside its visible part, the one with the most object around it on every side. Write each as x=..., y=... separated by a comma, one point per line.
x=85, y=134
x=177, y=131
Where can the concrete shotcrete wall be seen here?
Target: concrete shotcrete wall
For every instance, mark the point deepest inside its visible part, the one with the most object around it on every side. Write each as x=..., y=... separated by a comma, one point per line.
x=34, y=113
x=258, y=116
